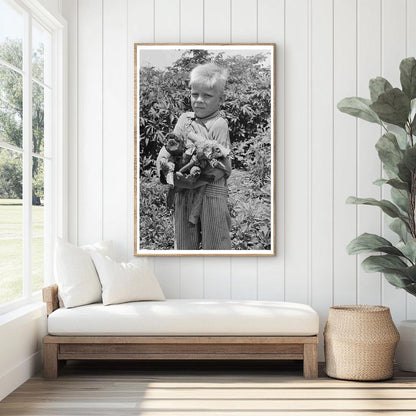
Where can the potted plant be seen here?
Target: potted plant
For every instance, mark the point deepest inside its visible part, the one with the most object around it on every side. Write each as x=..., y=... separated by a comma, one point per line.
x=394, y=109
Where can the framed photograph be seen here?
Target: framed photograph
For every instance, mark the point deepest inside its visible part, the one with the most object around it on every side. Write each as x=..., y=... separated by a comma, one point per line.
x=204, y=163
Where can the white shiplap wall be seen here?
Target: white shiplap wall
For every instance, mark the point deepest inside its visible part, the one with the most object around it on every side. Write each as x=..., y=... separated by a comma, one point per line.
x=326, y=50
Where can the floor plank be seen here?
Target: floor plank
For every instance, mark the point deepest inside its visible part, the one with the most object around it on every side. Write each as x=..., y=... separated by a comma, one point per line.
x=212, y=389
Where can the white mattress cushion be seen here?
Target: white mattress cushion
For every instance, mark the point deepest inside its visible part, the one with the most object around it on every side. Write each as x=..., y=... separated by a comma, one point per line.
x=187, y=317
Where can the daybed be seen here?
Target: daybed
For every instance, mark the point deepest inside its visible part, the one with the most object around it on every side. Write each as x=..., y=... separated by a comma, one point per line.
x=181, y=329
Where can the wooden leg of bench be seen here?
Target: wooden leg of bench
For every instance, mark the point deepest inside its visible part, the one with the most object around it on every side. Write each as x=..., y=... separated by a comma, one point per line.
x=310, y=360
x=50, y=360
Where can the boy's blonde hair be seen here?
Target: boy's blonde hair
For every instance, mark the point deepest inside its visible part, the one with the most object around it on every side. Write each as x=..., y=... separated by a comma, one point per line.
x=210, y=75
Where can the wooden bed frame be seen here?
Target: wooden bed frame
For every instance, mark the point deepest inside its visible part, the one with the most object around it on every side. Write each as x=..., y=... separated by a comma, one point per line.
x=58, y=349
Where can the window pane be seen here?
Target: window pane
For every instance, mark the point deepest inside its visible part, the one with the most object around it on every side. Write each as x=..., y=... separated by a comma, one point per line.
x=11, y=34
x=11, y=107
x=41, y=46
x=38, y=229
x=38, y=118
x=11, y=226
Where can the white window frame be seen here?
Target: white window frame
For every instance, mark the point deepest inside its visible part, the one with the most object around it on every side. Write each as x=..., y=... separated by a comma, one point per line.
x=58, y=212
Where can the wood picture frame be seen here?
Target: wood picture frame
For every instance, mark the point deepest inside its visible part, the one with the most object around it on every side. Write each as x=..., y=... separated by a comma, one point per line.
x=246, y=193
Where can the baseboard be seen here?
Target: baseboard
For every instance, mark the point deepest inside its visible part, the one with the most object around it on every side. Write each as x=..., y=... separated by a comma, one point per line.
x=10, y=380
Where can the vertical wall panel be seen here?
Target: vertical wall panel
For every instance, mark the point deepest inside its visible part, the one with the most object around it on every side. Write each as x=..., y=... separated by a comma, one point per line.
x=244, y=29
x=321, y=165
x=217, y=29
x=296, y=152
x=115, y=52
x=345, y=152
x=217, y=278
x=90, y=127
x=167, y=21
x=140, y=22
x=393, y=51
x=271, y=29
x=167, y=30
x=411, y=51
x=369, y=167
x=192, y=30
x=244, y=21
x=192, y=21
x=70, y=11
x=217, y=21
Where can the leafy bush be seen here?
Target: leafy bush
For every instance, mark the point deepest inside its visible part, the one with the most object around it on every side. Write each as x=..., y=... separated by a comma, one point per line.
x=164, y=96
x=156, y=220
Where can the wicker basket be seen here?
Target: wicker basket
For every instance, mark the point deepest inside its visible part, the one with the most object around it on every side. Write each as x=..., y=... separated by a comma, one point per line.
x=360, y=341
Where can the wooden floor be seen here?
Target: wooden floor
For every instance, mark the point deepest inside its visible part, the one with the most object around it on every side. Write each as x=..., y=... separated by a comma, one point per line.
x=192, y=389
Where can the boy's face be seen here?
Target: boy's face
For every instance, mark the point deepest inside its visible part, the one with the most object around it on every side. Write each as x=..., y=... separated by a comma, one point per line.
x=205, y=100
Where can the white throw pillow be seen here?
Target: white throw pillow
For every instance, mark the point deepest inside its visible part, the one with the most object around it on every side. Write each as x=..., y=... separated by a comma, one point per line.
x=75, y=273
x=126, y=282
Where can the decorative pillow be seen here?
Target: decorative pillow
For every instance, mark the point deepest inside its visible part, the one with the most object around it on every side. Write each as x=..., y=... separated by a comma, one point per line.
x=126, y=282
x=75, y=274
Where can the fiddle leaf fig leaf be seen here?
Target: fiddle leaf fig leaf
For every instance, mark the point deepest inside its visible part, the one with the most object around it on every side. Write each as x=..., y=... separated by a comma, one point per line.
x=395, y=183
x=378, y=86
x=388, y=207
x=392, y=107
x=412, y=109
x=397, y=280
x=398, y=184
x=389, y=151
x=400, y=228
x=366, y=243
x=381, y=263
x=408, y=77
x=400, y=198
x=410, y=158
x=404, y=173
x=401, y=139
x=408, y=249
x=359, y=107
x=380, y=182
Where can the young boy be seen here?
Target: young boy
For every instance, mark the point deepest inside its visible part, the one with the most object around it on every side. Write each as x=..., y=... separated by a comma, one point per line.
x=212, y=231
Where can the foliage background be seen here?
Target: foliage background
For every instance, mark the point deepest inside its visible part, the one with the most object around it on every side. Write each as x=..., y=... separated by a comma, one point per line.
x=164, y=96
x=11, y=127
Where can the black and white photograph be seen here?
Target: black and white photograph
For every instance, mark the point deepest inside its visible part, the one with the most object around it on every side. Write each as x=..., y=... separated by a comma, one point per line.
x=204, y=149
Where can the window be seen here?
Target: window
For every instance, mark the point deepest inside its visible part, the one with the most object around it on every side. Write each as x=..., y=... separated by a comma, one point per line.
x=31, y=140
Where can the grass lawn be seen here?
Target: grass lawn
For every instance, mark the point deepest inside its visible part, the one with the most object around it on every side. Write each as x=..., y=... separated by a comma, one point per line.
x=11, y=249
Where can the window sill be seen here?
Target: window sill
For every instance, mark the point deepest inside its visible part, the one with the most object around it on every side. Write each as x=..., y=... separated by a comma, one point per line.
x=36, y=308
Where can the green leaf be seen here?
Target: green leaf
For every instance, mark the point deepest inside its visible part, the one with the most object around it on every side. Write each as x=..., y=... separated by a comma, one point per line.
x=378, y=86
x=392, y=107
x=359, y=107
x=389, y=208
x=380, y=182
x=398, y=184
x=401, y=139
x=408, y=249
x=389, y=151
x=396, y=271
x=385, y=262
x=411, y=289
x=410, y=158
x=366, y=243
x=400, y=198
x=397, y=280
x=404, y=173
x=408, y=77
x=400, y=228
